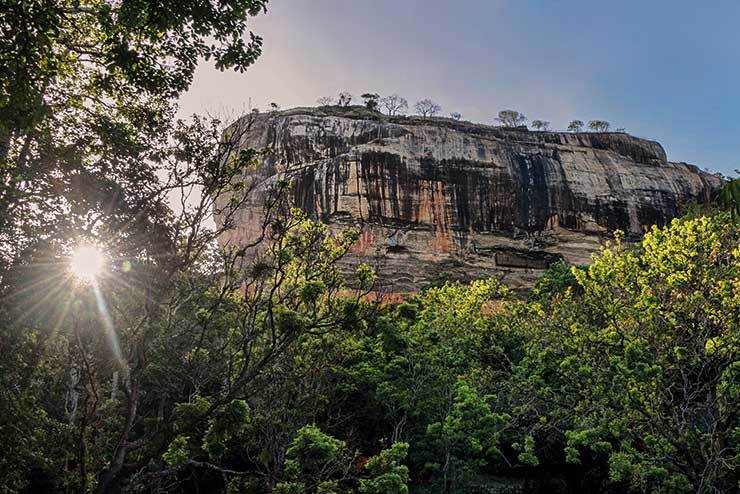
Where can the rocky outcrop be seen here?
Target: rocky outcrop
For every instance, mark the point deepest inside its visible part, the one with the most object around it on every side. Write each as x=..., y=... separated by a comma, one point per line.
x=440, y=199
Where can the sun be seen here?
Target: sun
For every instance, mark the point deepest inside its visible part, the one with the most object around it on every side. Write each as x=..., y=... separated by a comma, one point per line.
x=86, y=263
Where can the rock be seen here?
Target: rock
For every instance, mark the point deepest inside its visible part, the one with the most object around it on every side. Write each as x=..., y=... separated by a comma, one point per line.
x=441, y=199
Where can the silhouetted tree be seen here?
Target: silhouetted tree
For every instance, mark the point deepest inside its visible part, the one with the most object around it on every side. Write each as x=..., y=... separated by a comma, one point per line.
x=427, y=108
x=371, y=100
x=455, y=115
x=394, y=104
x=345, y=98
x=598, y=125
x=511, y=118
x=575, y=126
x=541, y=124
x=325, y=101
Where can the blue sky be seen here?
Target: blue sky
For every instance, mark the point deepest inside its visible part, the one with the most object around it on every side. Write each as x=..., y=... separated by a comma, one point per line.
x=665, y=70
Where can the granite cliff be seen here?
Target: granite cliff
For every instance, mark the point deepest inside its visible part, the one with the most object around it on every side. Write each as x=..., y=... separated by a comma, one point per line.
x=442, y=199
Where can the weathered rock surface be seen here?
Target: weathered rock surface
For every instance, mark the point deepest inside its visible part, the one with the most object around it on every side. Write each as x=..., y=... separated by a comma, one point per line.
x=441, y=199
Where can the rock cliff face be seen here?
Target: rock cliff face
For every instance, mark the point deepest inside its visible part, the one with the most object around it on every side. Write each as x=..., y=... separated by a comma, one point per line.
x=440, y=199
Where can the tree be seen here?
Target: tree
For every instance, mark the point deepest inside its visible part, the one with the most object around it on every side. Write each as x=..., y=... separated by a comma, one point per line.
x=371, y=100
x=394, y=104
x=598, y=125
x=325, y=101
x=387, y=473
x=541, y=124
x=556, y=281
x=729, y=197
x=96, y=155
x=427, y=108
x=76, y=77
x=344, y=99
x=455, y=115
x=89, y=150
x=511, y=118
x=467, y=436
x=575, y=126
x=163, y=247
x=315, y=463
x=644, y=371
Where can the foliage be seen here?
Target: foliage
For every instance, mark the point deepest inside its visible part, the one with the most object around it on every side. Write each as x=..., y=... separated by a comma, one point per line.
x=315, y=463
x=466, y=437
x=598, y=125
x=511, y=118
x=646, y=357
x=344, y=98
x=194, y=367
x=558, y=278
x=388, y=474
x=575, y=126
x=729, y=197
x=86, y=102
x=371, y=101
x=177, y=452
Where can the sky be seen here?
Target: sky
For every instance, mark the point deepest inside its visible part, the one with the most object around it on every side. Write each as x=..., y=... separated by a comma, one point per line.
x=663, y=70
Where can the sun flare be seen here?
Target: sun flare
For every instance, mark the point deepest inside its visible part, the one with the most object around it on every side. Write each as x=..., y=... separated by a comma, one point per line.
x=87, y=262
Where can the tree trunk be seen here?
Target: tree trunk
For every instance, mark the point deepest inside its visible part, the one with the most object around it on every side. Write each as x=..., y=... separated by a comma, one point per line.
x=108, y=480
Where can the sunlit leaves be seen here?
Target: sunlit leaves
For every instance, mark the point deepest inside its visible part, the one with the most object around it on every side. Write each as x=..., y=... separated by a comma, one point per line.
x=177, y=452
x=231, y=421
x=634, y=363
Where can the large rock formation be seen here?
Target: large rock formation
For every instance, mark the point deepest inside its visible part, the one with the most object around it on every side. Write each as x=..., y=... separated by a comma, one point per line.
x=441, y=199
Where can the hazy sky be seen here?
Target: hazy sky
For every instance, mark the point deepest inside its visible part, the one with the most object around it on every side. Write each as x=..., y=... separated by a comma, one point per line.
x=665, y=70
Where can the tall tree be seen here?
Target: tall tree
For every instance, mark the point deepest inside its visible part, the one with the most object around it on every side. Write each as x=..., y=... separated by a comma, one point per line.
x=77, y=77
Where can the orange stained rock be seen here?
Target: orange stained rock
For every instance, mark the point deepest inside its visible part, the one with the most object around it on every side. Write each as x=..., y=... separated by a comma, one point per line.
x=366, y=241
x=433, y=211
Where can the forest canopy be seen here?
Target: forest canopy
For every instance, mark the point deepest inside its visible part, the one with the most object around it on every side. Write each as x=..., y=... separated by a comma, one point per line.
x=137, y=354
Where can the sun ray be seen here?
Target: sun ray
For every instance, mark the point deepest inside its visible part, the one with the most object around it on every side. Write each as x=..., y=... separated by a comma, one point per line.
x=35, y=284
x=30, y=310
x=109, y=328
x=66, y=304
